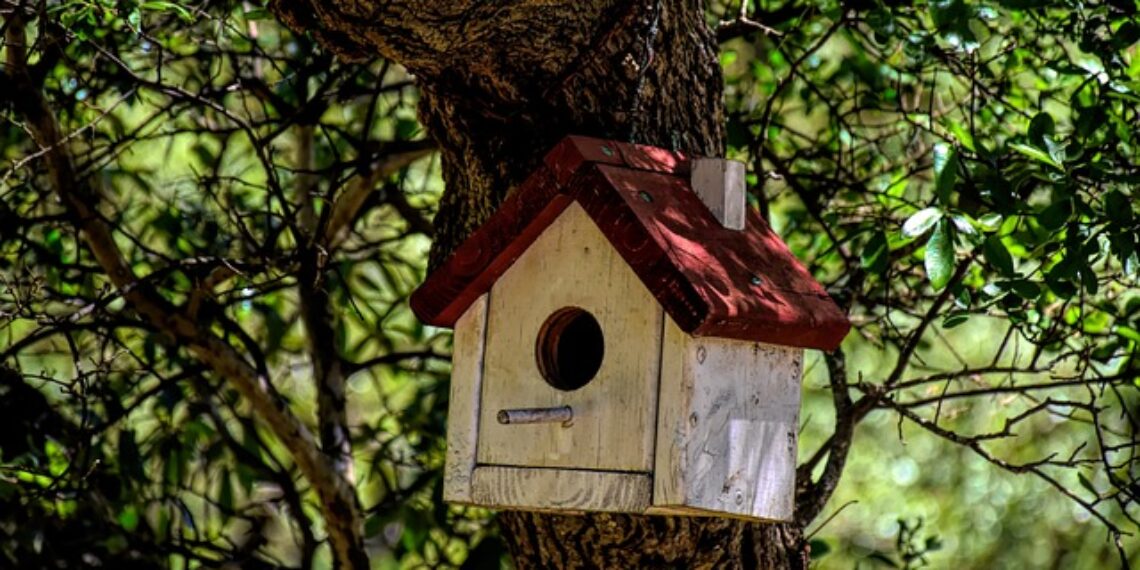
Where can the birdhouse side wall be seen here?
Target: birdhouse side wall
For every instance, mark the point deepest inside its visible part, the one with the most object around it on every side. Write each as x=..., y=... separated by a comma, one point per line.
x=727, y=425
x=463, y=406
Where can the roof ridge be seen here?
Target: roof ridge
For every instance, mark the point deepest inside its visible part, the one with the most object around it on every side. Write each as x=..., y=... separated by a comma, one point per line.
x=711, y=280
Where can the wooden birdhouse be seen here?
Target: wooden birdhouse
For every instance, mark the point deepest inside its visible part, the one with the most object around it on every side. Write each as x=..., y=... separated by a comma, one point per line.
x=628, y=337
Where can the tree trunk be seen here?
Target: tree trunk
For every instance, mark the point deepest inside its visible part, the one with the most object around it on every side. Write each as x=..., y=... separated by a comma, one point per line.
x=500, y=85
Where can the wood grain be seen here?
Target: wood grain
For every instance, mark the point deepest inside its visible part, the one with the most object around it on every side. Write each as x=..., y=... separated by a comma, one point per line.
x=560, y=489
x=572, y=264
x=463, y=407
x=719, y=183
x=711, y=279
x=727, y=426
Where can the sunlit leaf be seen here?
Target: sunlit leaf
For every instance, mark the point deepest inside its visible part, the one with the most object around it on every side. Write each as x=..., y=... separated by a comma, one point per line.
x=945, y=172
x=990, y=222
x=921, y=222
x=939, y=259
x=1127, y=332
x=1036, y=154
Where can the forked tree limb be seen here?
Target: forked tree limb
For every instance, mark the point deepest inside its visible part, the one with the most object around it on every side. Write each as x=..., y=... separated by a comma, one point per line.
x=337, y=499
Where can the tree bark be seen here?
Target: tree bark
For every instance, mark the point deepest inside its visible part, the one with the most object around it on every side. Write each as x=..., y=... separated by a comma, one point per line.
x=501, y=83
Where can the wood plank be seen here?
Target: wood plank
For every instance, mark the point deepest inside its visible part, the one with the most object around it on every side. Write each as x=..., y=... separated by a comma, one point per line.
x=560, y=489
x=728, y=424
x=674, y=403
x=463, y=406
x=720, y=185
x=572, y=264
x=714, y=281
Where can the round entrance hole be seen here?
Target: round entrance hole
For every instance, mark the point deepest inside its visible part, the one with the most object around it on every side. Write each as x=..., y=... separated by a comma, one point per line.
x=569, y=348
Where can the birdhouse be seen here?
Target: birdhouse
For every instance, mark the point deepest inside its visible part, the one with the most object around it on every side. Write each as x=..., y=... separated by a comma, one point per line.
x=629, y=337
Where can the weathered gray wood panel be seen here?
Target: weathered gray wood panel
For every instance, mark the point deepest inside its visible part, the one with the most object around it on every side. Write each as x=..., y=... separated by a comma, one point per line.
x=727, y=426
x=463, y=407
x=560, y=489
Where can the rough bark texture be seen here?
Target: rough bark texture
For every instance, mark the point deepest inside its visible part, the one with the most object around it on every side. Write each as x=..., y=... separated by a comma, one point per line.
x=501, y=83
x=627, y=541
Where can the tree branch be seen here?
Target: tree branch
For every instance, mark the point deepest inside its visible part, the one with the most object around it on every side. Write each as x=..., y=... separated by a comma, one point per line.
x=812, y=496
x=337, y=498
x=349, y=204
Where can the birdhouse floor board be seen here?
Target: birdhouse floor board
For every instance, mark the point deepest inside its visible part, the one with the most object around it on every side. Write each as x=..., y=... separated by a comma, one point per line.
x=560, y=489
x=463, y=407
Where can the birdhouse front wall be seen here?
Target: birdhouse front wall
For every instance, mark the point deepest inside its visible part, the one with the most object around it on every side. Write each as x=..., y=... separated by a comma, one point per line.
x=571, y=265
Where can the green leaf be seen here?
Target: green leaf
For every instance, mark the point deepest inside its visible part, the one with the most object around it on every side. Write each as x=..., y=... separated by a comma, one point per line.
x=945, y=172
x=1037, y=154
x=129, y=518
x=1117, y=207
x=921, y=222
x=954, y=319
x=1055, y=215
x=961, y=134
x=965, y=224
x=933, y=544
x=373, y=525
x=818, y=548
x=406, y=128
x=876, y=254
x=990, y=222
x=1041, y=128
x=258, y=14
x=1127, y=332
x=997, y=255
x=1087, y=484
x=882, y=559
x=1057, y=151
x=182, y=12
x=226, y=492
x=57, y=457
x=940, y=255
x=1025, y=288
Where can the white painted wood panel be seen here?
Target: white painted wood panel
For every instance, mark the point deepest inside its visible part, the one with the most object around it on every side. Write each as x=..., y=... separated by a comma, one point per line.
x=720, y=185
x=463, y=406
x=560, y=489
x=572, y=264
x=727, y=426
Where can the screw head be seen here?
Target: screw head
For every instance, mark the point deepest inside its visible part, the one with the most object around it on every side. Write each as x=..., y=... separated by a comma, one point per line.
x=756, y=280
x=607, y=150
x=645, y=196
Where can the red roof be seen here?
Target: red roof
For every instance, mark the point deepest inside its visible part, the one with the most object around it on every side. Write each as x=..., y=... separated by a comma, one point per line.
x=712, y=280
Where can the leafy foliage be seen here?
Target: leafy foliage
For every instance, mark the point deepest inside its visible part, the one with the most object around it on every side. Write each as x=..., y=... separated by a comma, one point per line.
x=220, y=142
x=963, y=175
